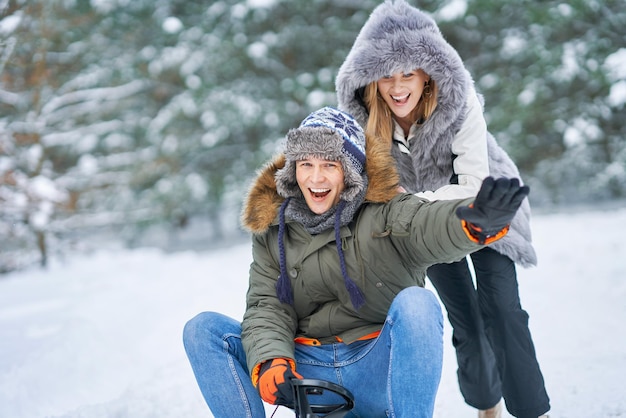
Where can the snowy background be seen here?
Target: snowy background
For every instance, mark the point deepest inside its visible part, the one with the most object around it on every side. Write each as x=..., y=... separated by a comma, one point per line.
x=100, y=335
x=138, y=118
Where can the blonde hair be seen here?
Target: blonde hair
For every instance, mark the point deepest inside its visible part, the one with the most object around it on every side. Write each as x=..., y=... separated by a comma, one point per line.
x=380, y=122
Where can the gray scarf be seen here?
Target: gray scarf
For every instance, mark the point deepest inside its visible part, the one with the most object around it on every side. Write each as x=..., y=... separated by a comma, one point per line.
x=340, y=215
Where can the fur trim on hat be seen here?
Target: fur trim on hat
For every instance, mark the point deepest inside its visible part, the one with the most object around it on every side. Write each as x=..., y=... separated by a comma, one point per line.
x=317, y=142
x=261, y=204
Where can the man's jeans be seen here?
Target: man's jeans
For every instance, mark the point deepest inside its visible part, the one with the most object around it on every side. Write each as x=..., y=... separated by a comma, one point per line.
x=395, y=375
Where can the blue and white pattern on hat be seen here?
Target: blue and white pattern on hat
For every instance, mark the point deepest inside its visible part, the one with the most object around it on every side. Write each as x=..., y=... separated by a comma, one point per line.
x=347, y=126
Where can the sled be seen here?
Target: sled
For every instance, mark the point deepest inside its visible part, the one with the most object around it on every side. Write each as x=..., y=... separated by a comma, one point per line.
x=305, y=388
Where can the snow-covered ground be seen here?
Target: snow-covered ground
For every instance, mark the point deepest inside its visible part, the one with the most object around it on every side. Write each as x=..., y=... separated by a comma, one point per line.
x=100, y=336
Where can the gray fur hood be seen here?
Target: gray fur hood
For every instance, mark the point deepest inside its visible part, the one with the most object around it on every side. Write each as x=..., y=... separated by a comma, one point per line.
x=398, y=37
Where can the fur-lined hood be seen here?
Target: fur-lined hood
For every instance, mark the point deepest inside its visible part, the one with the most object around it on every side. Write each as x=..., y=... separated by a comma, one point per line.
x=401, y=38
x=260, y=208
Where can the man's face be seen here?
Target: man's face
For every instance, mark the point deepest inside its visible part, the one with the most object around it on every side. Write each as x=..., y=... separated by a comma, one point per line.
x=321, y=183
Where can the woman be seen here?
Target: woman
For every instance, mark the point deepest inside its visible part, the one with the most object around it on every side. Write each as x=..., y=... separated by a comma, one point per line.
x=410, y=89
x=336, y=282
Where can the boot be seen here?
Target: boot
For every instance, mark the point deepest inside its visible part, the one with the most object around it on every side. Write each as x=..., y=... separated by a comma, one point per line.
x=493, y=412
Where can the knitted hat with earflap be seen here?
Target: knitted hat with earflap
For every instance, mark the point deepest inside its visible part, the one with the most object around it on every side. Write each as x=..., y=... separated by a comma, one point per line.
x=332, y=135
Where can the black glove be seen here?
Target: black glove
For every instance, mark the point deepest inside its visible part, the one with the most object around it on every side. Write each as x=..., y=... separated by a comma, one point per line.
x=275, y=385
x=495, y=206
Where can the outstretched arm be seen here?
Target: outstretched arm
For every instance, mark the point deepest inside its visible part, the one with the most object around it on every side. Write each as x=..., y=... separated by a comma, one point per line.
x=427, y=233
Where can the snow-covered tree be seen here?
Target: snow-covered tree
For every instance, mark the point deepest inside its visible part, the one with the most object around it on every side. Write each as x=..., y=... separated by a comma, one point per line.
x=145, y=113
x=553, y=75
x=126, y=117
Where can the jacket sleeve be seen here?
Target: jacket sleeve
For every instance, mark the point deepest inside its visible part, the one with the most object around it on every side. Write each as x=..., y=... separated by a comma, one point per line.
x=471, y=164
x=269, y=326
x=427, y=233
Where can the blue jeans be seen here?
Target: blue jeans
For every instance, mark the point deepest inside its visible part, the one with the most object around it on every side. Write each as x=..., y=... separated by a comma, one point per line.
x=394, y=375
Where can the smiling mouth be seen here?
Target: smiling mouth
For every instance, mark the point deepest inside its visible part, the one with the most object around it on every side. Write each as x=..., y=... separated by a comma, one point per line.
x=319, y=193
x=401, y=99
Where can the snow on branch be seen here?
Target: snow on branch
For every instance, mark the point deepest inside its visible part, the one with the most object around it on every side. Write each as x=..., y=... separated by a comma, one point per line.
x=97, y=94
x=70, y=137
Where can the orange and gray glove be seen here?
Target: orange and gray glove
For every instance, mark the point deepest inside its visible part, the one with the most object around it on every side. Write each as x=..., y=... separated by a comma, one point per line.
x=488, y=218
x=275, y=385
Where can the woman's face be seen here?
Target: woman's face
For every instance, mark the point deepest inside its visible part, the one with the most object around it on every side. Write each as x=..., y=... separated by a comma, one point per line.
x=321, y=183
x=402, y=91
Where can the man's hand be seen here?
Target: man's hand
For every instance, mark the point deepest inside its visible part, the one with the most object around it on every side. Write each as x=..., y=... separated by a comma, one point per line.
x=275, y=385
x=497, y=201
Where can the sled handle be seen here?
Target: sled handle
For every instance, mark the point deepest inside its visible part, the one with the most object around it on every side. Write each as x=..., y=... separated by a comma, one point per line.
x=304, y=387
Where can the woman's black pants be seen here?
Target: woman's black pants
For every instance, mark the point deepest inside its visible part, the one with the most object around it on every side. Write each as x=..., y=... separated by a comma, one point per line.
x=495, y=351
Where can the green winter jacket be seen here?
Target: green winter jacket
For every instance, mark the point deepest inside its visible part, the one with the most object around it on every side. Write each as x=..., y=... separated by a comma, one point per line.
x=388, y=246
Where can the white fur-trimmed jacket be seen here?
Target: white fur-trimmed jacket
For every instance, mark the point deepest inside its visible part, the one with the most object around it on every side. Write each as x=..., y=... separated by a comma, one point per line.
x=449, y=155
